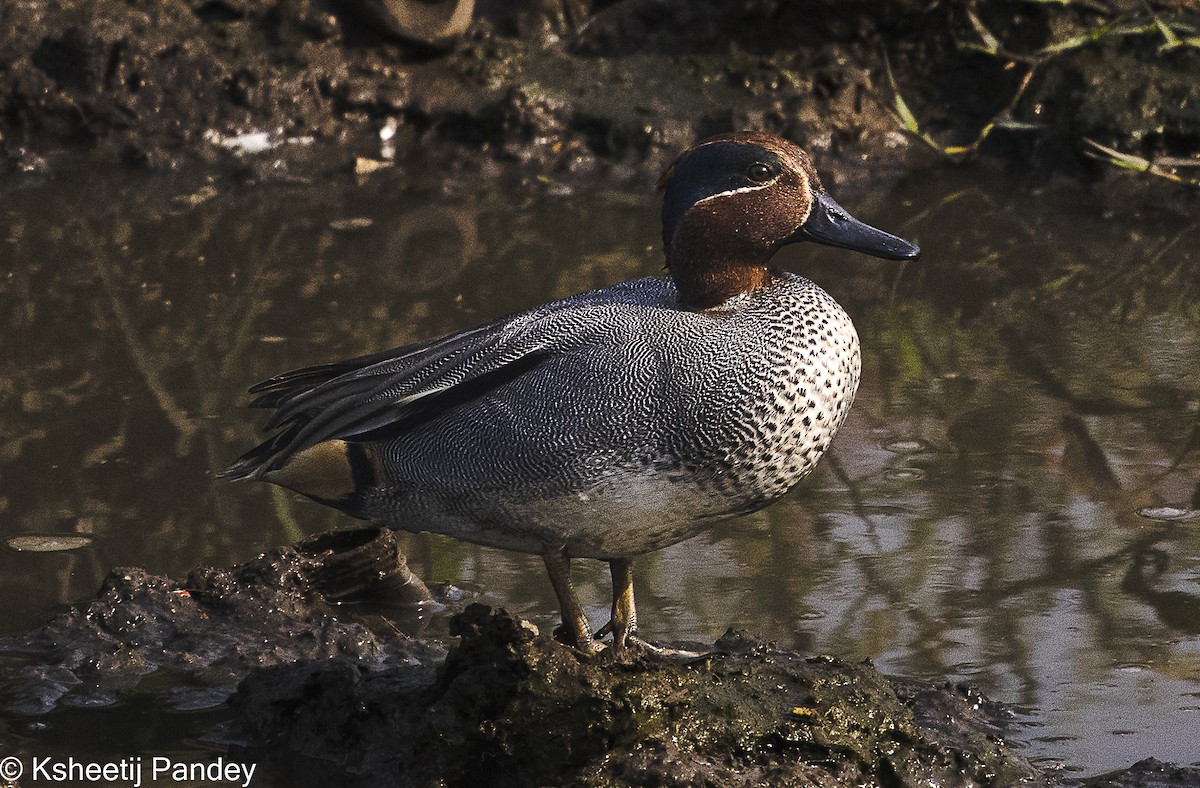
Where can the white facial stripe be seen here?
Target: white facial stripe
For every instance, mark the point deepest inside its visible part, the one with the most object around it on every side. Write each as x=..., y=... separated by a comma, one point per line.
x=739, y=190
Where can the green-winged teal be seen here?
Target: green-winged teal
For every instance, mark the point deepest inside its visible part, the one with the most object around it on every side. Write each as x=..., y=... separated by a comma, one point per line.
x=613, y=422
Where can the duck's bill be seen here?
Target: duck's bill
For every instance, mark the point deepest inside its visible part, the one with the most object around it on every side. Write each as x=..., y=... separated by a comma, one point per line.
x=829, y=223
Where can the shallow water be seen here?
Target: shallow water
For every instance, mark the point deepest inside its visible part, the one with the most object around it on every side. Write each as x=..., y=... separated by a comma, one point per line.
x=1029, y=387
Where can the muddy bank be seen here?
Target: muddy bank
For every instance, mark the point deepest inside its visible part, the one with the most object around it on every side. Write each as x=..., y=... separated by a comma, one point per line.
x=212, y=628
x=563, y=88
x=338, y=695
x=509, y=707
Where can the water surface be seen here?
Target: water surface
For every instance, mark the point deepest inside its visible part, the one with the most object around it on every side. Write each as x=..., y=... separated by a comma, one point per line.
x=1031, y=391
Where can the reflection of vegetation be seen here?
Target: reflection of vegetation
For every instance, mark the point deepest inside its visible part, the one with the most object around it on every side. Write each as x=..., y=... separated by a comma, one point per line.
x=1008, y=460
x=142, y=321
x=997, y=245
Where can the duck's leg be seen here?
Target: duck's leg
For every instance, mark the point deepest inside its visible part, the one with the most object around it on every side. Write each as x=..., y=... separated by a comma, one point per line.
x=623, y=623
x=624, y=612
x=575, y=625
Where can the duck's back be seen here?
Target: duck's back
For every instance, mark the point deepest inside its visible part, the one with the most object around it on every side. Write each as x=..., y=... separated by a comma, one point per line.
x=635, y=424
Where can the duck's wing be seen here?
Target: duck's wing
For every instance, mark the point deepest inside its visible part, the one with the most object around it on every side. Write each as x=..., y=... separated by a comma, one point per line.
x=381, y=395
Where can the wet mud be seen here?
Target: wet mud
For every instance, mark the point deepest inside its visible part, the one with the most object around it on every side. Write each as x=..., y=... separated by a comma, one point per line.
x=330, y=695
x=566, y=88
x=510, y=707
x=213, y=627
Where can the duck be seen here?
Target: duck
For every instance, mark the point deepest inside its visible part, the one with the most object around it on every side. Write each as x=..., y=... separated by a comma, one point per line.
x=611, y=423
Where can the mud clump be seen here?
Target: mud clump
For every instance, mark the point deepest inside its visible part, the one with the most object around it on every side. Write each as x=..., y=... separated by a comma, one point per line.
x=155, y=84
x=1148, y=773
x=510, y=707
x=216, y=625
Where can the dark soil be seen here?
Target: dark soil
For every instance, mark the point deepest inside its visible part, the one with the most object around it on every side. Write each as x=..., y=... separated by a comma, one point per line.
x=563, y=88
x=218, y=624
x=510, y=708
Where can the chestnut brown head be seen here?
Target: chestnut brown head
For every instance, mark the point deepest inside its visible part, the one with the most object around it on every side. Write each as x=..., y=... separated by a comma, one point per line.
x=733, y=200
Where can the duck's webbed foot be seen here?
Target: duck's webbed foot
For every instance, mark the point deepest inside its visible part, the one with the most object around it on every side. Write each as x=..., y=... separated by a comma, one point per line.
x=622, y=626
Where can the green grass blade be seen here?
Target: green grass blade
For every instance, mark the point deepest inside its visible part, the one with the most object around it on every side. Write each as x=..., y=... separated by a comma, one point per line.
x=1168, y=34
x=1113, y=156
x=991, y=44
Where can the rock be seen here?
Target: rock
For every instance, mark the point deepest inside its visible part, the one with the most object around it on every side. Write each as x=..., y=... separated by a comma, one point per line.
x=331, y=696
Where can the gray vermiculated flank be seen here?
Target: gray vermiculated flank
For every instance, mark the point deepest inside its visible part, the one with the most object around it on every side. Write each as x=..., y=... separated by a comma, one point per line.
x=643, y=424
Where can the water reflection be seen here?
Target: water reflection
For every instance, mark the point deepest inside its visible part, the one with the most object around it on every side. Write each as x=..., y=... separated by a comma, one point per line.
x=1030, y=387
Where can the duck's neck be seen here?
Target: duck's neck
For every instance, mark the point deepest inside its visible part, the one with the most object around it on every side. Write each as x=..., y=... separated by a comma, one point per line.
x=711, y=266
x=712, y=283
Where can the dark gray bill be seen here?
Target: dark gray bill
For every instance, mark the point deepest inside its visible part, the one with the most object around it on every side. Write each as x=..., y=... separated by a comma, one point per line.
x=829, y=223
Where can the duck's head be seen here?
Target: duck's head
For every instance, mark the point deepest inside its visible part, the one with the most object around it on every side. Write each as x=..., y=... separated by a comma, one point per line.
x=733, y=200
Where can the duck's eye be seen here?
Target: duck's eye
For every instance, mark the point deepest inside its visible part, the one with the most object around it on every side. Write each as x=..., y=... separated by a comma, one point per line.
x=759, y=172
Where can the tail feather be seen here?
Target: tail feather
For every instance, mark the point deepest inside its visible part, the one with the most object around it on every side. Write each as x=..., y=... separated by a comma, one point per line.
x=273, y=395
x=254, y=463
x=287, y=423
x=381, y=395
